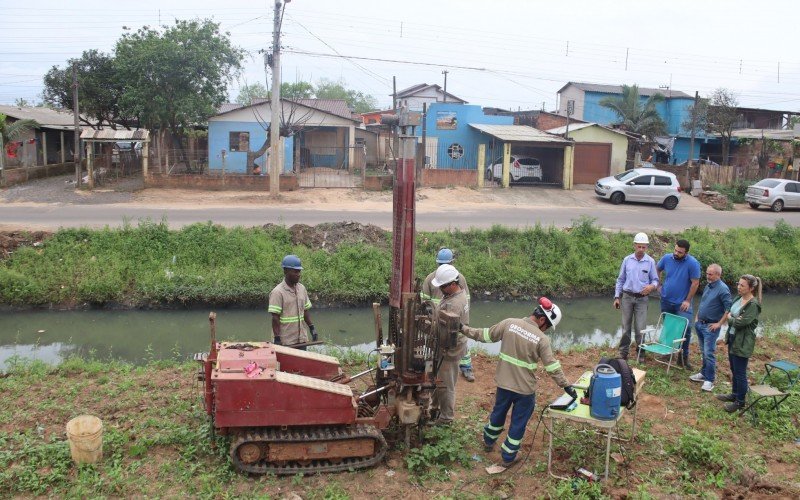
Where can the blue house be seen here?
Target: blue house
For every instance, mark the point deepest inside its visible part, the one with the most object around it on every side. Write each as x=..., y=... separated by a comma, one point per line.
x=675, y=110
x=450, y=141
x=323, y=134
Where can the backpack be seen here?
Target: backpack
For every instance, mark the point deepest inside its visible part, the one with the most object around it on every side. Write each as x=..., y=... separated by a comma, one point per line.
x=628, y=399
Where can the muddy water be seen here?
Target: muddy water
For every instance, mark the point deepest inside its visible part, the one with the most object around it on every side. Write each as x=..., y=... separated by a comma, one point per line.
x=138, y=336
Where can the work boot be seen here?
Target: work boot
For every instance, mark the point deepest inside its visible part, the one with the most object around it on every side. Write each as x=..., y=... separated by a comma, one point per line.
x=488, y=448
x=468, y=374
x=734, y=406
x=728, y=398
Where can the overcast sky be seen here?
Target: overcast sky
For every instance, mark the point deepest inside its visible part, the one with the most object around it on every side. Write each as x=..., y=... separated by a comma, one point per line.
x=508, y=54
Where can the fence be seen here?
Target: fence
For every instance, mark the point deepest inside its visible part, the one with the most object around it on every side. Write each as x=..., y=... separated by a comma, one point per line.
x=114, y=163
x=331, y=167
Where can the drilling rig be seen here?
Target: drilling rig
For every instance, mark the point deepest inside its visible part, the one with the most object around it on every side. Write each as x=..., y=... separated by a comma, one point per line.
x=290, y=411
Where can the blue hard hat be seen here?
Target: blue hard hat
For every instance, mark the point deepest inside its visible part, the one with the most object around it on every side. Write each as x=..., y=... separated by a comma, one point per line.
x=445, y=256
x=291, y=262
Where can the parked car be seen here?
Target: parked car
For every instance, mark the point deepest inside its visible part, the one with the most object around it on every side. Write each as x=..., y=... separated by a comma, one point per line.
x=521, y=168
x=774, y=193
x=699, y=161
x=126, y=148
x=647, y=185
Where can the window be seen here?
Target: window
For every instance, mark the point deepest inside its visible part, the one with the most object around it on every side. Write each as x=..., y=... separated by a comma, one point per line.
x=239, y=141
x=642, y=180
x=455, y=151
x=791, y=187
x=662, y=181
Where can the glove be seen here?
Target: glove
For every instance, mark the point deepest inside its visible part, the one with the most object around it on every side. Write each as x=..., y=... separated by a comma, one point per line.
x=277, y=340
x=571, y=391
x=313, y=330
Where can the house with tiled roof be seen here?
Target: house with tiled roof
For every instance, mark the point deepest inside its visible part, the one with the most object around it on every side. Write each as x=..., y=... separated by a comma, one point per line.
x=323, y=133
x=413, y=97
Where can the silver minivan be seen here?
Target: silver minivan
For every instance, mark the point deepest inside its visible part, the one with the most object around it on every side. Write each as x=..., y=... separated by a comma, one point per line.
x=647, y=185
x=774, y=193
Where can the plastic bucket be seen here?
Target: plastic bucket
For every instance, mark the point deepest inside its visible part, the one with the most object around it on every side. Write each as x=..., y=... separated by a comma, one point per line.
x=85, y=436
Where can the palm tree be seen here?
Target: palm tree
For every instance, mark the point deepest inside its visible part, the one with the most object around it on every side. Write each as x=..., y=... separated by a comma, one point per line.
x=10, y=132
x=635, y=116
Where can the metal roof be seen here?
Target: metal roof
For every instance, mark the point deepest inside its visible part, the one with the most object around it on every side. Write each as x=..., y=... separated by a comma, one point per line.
x=617, y=89
x=46, y=117
x=518, y=133
x=758, y=133
x=108, y=135
x=578, y=126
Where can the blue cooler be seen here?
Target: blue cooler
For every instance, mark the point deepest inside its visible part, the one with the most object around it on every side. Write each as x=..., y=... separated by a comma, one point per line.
x=606, y=393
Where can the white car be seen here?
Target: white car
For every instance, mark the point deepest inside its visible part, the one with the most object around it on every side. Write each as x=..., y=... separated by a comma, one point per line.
x=774, y=193
x=521, y=167
x=647, y=185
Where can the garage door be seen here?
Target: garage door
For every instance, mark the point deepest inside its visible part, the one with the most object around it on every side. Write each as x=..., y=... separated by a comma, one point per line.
x=592, y=161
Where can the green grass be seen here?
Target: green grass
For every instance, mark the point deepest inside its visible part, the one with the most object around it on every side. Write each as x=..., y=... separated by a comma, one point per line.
x=149, y=264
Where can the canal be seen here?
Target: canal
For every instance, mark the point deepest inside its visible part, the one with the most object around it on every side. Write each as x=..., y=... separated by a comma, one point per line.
x=138, y=336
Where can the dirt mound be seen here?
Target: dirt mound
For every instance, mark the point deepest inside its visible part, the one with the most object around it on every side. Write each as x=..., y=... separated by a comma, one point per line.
x=11, y=240
x=331, y=235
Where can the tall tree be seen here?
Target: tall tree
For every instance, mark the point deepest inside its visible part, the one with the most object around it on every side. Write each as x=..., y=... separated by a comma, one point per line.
x=635, y=114
x=248, y=92
x=722, y=116
x=176, y=77
x=297, y=90
x=360, y=102
x=99, y=87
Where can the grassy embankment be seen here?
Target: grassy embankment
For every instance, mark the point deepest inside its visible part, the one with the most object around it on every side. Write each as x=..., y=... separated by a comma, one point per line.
x=156, y=441
x=205, y=264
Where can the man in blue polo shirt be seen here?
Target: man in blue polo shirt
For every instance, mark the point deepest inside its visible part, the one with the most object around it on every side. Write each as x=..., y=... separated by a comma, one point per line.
x=712, y=313
x=680, y=284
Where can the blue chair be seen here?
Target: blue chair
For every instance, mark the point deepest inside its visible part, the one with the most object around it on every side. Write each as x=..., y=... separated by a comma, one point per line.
x=670, y=332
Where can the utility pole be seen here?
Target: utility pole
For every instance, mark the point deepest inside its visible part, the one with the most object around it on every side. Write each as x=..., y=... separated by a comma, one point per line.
x=394, y=94
x=275, y=107
x=444, y=72
x=76, y=148
x=694, y=126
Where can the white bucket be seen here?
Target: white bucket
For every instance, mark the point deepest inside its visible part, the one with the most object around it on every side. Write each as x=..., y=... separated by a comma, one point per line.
x=85, y=436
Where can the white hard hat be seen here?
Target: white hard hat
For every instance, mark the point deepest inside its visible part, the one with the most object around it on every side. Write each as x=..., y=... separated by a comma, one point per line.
x=445, y=274
x=641, y=238
x=554, y=315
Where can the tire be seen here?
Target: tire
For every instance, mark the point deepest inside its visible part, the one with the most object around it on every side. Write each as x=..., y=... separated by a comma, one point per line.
x=753, y=205
x=488, y=175
x=537, y=179
x=617, y=198
x=777, y=206
x=670, y=203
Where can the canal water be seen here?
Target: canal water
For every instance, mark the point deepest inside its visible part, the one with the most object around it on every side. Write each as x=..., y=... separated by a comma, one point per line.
x=138, y=336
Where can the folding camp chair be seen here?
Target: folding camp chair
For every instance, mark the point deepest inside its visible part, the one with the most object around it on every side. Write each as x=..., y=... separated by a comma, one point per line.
x=670, y=332
x=769, y=393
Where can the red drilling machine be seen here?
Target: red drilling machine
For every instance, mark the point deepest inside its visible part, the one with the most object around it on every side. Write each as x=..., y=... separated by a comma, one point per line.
x=290, y=411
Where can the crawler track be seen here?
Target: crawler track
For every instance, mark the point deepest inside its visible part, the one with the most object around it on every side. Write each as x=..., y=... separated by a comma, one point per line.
x=312, y=435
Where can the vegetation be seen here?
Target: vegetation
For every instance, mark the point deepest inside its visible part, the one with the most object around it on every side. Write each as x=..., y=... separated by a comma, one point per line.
x=635, y=114
x=13, y=131
x=175, y=77
x=100, y=89
x=156, y=441
x=151, y=265
x=721, y=117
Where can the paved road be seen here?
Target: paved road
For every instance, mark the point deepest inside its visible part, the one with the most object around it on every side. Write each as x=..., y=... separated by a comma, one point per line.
x=625, y=217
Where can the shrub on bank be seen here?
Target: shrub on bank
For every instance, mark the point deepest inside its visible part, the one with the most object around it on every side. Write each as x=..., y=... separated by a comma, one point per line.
x=149, y=264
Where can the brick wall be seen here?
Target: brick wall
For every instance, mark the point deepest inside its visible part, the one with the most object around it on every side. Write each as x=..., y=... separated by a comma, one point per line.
x=235, y=182
x=546, y=121
x=442, y=177
x=12, y=176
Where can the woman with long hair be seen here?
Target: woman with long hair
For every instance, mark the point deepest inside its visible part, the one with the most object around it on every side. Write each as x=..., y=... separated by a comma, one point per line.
x=741, y=338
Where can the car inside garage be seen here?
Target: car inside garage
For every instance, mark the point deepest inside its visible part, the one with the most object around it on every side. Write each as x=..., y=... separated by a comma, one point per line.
x=528, y=142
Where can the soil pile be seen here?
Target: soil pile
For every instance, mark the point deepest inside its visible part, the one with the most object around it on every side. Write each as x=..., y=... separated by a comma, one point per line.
x=330, y=235
x=11, y=240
